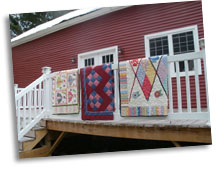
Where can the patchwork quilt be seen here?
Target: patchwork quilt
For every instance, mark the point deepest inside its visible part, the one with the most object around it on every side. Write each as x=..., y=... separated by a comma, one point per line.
x=97, y=92
x=143, y=86
x=65, y=98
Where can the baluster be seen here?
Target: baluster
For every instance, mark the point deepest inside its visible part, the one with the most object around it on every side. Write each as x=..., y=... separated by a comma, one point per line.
x=178, y=88
x=33, y=96
x=15, y=91
x=39, y=98
x=43, y=94
x=197, y=85
x=18, y=115
x=32, y=101
x=187, y=86
x=24, y=110
x=35, y=102
x=29, y=106
x=206, y=82
x=170, y=89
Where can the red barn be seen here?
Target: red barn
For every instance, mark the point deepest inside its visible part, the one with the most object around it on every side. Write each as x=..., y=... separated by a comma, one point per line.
x=112, y=35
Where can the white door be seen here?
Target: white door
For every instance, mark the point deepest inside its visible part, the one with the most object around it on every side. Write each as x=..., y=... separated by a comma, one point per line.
x=103, y=56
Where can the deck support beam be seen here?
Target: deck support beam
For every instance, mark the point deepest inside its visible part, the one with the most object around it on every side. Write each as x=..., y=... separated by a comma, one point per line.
x=176, y=144
x=56, y=143
x=183, y=134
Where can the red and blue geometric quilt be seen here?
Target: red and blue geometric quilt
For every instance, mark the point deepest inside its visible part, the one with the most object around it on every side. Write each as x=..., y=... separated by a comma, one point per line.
x=97, y=92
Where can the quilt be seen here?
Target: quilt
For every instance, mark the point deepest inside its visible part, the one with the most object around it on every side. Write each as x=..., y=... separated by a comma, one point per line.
x=65, y=98
x=97, y=92
x=143, y=86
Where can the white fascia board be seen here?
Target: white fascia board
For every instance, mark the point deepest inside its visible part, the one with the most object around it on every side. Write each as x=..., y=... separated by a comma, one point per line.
x=54, y=22
x=55, y=26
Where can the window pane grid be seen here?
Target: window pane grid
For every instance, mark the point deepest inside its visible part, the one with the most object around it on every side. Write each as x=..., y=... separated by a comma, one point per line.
x=159, y=46
x=183, y=43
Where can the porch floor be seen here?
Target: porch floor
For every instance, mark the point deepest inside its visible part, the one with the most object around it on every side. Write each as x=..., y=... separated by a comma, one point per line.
x=151, y=128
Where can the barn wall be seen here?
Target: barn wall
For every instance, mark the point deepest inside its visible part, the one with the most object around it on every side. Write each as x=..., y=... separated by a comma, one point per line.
x=125, y=28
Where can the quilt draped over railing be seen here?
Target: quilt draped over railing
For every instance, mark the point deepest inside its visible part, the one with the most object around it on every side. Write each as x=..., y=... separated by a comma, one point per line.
x=97, y=92
x=65, y=96
x=143, y=86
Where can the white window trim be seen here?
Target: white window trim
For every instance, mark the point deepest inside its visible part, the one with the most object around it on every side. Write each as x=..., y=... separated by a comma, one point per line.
x=169, y=34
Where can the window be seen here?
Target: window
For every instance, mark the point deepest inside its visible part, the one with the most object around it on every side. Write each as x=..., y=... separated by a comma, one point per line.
x=183, y=43
x=174, y=42
x=159, y=46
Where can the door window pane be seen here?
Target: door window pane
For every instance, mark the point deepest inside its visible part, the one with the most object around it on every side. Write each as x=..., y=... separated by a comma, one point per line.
x=111, y=58
x=89, y=62
x=108, y=59
x=103, y=59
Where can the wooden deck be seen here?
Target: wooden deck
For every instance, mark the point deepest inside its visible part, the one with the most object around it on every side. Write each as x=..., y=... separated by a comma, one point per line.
x=157, y=128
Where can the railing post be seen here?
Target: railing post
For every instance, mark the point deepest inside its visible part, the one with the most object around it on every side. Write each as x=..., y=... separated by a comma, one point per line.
x=47, y=90
x=116, y=82
x=16, y=91
x=170, y=88
x=16, y=88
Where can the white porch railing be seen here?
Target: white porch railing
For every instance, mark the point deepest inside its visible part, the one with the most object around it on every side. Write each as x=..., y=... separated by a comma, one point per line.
x=189, y=112
x=32, y=103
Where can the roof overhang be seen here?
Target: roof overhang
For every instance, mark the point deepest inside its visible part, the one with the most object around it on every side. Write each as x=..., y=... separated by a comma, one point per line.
x=59, y=24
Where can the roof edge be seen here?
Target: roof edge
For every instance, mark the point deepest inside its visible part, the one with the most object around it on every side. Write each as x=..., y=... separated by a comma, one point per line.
x=66, y=24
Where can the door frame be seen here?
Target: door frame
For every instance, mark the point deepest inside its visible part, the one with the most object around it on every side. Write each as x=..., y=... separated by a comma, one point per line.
x=109, y=50
x=95, y=53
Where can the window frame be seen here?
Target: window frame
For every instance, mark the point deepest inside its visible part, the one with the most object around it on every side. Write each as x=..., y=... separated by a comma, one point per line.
x=169, y=34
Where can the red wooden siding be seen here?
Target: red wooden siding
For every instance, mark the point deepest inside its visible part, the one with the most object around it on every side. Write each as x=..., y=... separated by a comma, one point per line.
x=125, y=28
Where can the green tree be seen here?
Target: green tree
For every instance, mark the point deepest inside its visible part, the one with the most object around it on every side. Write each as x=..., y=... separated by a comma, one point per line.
x=23, y=22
